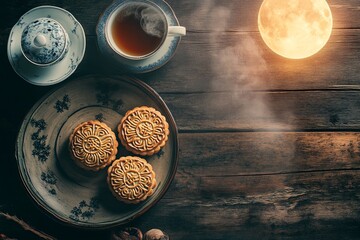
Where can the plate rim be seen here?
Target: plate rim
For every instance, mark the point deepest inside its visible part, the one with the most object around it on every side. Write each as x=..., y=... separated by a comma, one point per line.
x=36, y=199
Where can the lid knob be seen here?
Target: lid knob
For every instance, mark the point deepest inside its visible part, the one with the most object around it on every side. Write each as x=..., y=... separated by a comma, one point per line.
x=44, y=41
x=40, y=40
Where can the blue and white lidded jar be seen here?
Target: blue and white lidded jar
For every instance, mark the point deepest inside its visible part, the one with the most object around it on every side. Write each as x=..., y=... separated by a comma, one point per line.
x=44, y=42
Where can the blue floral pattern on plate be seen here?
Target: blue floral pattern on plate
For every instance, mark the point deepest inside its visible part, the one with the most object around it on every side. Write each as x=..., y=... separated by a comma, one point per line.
x=62, y=105
x=40, y=149
x=49, y=180
x=84, y=210
x=51, y=176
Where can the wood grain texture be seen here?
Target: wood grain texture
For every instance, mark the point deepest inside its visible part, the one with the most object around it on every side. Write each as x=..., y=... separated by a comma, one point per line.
x=335, y=110
x=269, y=147
x=242, y=13
x=263, y=186
x=296, y=206
x=267, y=153
x=205, y=65
x=248, y=185
x=222, y=57
x=234, y=61
x=194, y=68
x=266, y=111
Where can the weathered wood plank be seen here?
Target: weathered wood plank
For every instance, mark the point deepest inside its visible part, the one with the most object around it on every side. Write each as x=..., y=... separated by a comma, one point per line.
x=266, y=111
x=244, y=185
x=195, y=68
x=267, y=153
x=237, y=62
x=293, y=185
x=210, y=15
x=87, y=13
x=231, y=111
x=297, y=206
x=205, y=15
x=228, y=60
x=322, y=205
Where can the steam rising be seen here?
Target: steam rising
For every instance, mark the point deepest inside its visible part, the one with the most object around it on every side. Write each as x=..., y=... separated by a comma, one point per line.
x=241, y=73
x=152, y=22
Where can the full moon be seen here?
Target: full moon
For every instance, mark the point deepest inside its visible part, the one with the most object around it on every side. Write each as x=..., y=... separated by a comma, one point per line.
x=295, y=29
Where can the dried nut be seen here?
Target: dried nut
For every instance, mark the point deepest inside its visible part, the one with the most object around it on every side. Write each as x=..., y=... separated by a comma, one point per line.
x=130, y=233
x=156, y=234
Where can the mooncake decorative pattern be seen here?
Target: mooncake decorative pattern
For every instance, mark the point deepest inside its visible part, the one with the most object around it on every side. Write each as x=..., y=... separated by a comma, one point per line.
x=131, y=179
x=143, y=131
x=93, y=145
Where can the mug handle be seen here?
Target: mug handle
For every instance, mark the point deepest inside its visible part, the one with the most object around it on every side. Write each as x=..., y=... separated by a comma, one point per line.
x=174, y=31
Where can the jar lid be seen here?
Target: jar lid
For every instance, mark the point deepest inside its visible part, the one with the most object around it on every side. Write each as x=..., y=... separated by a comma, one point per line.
x=43, y=41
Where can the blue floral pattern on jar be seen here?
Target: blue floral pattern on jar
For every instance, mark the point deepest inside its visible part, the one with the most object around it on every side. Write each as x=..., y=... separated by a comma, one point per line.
x=44, y=41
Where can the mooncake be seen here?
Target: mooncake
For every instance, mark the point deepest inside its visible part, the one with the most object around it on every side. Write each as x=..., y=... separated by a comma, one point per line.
x=131, y=179
x=93, y=145
x=143, y=131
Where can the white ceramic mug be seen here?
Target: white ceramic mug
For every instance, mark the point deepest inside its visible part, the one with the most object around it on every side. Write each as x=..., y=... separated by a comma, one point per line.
x=152, y=20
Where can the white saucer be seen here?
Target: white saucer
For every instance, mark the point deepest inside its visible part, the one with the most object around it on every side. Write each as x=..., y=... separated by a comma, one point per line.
x=59, y=71
x=164, y=54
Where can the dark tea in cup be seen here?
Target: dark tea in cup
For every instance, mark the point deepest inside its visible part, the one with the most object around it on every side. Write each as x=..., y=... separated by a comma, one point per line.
x=137, y=30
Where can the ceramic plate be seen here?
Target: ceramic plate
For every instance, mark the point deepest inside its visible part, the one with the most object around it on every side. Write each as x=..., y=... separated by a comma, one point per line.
x=67, y=192
x=164, y=54
x=59, y=71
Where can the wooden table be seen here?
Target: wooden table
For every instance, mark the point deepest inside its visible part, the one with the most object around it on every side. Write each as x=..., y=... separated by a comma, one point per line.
x=269, y=147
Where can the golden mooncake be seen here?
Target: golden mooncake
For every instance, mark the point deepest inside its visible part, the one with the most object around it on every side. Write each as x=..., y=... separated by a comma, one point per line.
x=93, y=145
x=143, y=131
x=131, y=179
